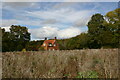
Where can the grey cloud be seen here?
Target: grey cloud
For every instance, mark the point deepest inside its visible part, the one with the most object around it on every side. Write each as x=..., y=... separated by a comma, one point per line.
x=32, y=1
x=64, y=4
x=50, y=21
x=23, y=22
x=81, y=22
x=19, y=5
x=60, y=0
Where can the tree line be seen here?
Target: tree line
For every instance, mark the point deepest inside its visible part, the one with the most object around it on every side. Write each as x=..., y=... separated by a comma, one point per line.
x=103, y=32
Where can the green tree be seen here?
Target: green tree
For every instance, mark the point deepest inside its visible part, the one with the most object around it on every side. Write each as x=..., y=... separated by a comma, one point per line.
x=16, y=39
x=63, y=44
x=83, y=40
x=72, y=43
x=34, y=45
x=19, y=33
x=5, y=41
x=105, y=31
x=20, y=36
x=112, y=24
x=95, y=28
x=0, y=39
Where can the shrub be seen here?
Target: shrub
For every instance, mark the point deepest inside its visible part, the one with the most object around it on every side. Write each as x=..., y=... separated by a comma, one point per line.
x=24, y=50
x=87, y=74
x=41, y=49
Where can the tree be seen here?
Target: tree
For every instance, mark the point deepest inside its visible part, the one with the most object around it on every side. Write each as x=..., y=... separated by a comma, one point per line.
x=20, y=36
x=6, y=42
x=95, y=28
x=72, y=43
x=0, y=39
x=113, y=26
x=19, y=33
x=105, y=31
x=83, y=40
x=16, y=39
x=34, y=45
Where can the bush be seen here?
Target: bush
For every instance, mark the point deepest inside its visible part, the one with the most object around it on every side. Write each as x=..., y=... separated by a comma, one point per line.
x=41, y=49
x=87, y=74
x=23, y=50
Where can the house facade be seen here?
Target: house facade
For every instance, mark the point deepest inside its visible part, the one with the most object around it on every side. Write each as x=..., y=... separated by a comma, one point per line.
x=50, y=44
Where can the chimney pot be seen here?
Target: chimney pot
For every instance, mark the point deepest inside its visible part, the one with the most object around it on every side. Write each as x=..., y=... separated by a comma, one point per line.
x=55, y=38
x=45, y=38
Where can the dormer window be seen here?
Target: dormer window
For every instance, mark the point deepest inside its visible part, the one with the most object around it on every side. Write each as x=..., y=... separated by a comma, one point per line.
x=54, y=44
x=50, y=44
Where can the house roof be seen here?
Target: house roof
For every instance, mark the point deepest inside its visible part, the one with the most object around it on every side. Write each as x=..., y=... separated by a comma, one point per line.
x=49, y=41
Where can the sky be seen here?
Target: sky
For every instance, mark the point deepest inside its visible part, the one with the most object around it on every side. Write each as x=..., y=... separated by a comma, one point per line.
x=50, y=19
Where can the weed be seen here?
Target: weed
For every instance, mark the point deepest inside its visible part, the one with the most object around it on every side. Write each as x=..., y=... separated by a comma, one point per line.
x=87, y=63
x=87, y=74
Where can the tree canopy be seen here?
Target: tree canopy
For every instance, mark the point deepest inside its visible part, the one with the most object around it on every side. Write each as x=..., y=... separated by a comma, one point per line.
x=16, y=39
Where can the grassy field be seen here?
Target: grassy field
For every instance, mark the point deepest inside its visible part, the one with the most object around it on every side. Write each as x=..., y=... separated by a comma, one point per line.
x=89, y=63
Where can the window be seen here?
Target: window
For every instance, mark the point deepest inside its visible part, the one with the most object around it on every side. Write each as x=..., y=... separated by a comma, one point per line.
x=44, y=44
x=50, y=44
x=54, y=44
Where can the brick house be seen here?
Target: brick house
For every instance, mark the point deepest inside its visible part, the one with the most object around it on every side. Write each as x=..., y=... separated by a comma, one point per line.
x=50, y=44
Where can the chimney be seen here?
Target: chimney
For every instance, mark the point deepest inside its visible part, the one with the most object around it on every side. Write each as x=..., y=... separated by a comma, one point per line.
x=45, y=38
x=55, y=38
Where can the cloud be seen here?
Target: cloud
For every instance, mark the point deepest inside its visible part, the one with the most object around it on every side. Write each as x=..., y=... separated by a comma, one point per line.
x=66, y=15
x=9, y=22
x=62, y=15
x=41, y=33
x=64, y=4
x=32, y=1
x=49, y=21
x=7, y=28
x=21, y=0
x=68, y=32
x=51, y=32
x=60, y=0
x=19, y=6
x=81, y=22
x=15, y=5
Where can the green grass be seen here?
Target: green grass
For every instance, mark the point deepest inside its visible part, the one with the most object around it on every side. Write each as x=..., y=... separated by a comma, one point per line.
x=87, y=74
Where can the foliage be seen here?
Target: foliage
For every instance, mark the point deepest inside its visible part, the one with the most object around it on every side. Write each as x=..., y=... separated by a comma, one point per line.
x=41, y=49
x=87, y=74
x=16, y=39
x=63, y=44
x=0, y=39
x=113, y=27
x=23, y=50
x=95, y=28
x=34, y=45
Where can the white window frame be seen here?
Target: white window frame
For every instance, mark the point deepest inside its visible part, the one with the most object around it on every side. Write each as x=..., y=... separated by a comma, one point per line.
x=50, y=44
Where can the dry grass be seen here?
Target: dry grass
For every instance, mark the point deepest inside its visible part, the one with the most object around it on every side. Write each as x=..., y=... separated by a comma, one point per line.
x=59, y=64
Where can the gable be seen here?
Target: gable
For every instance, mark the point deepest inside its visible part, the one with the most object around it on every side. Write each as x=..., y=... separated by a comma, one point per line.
x=49, y=42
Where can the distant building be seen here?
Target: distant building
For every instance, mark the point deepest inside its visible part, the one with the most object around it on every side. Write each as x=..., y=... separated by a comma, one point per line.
x=50, y=44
